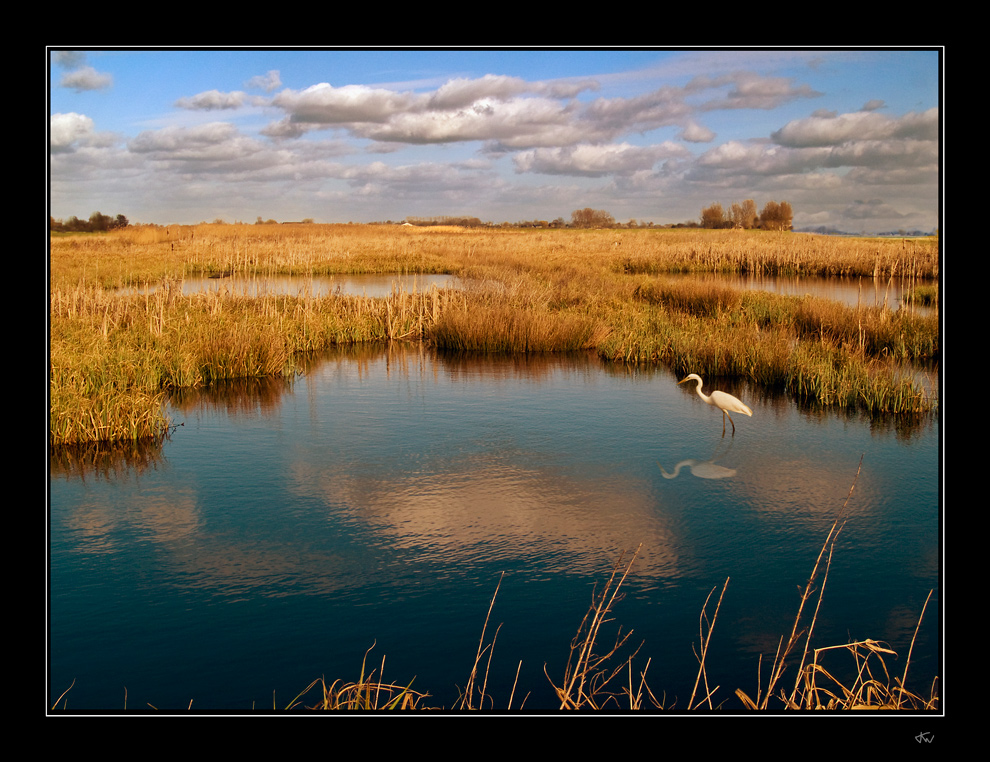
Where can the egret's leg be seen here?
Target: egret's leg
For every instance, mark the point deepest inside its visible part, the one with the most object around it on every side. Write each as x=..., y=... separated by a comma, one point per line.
x=730, y=421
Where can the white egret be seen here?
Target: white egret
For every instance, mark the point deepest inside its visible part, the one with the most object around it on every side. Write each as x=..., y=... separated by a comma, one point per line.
x=724, y=402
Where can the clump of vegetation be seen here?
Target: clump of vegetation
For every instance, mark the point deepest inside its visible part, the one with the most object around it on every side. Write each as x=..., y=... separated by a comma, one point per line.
x=369, y=693
x=925, y=296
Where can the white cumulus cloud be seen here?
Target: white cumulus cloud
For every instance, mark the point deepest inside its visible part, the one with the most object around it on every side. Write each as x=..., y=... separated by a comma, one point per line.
x=212, y=100
x=86, y=78
x=596, y=160
x=65, y=130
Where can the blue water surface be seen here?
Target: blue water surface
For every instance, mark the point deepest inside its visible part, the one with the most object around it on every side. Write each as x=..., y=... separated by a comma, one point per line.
x=376, y=502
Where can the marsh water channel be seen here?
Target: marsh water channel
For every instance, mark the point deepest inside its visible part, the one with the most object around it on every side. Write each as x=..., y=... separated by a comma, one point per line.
x=317, y=286
x=854, y=292
x=377, y=500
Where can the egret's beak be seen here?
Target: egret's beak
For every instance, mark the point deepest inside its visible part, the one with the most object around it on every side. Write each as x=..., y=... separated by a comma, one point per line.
x=681, y=381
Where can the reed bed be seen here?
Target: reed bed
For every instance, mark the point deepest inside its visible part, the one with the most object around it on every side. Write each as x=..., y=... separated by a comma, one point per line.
x=924, y=295
x=113, y=359
x=146, y=254
x=510, y=314
x=116, y=354
x=772, y=253
x=819, y=352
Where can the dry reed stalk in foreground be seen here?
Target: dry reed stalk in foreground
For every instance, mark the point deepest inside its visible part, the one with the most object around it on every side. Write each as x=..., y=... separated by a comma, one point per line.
x=366, y=694
x=467, y=696
x=705, y=638
x=784, y=650
x=585, y=676
x=866, y=692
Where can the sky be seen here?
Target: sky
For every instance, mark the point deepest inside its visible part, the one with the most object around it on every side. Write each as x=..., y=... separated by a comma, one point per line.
x=849, y=137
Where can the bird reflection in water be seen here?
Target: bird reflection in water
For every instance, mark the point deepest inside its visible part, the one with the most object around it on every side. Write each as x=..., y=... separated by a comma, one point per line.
x=703, y=469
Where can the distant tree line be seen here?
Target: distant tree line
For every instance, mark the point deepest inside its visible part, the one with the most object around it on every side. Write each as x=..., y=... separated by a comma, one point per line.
x=773, y=217
x=96, y=223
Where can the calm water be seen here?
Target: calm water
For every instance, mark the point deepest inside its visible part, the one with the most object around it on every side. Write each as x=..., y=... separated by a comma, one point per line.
x=312, y=285
x=852, y=292
x=286, y=527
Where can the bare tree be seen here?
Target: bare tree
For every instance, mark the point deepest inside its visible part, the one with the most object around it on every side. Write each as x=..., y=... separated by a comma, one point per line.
x=713, y=217
x=776, y=216
x=744, y=215
x=592, y=218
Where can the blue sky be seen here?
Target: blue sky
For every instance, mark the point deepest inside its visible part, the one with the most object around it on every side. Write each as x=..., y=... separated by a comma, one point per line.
x=850, y=138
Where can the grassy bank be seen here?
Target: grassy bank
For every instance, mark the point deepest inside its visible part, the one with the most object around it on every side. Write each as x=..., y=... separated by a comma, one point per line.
x=114, y=357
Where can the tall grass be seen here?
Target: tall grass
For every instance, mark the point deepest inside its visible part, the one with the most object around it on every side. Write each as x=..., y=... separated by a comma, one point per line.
x=115, y=354
x=514, y=316
x=772, y=253
x=114, y=358
x=146, y=254
x=818, y=351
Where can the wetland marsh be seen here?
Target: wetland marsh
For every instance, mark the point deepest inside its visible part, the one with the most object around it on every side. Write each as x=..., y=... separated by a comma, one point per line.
x=248, y=491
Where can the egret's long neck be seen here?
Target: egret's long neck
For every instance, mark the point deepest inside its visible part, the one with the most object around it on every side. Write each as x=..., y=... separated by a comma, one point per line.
x=701, y=394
